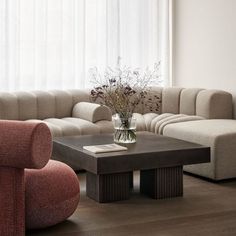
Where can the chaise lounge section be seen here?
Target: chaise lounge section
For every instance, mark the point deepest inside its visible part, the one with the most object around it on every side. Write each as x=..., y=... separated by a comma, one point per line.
x=220, y=135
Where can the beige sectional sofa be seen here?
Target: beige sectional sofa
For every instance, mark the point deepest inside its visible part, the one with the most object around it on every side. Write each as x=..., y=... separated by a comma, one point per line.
x=55, y=108
x=197, y=115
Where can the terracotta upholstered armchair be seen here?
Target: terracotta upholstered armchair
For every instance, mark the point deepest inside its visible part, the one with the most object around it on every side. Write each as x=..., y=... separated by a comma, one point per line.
x=25, y=199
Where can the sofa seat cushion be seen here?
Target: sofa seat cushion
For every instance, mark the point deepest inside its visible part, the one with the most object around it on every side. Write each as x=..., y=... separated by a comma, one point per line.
x=105, y=126
x=51, y=194
x=85, y=127
x=220, y=135
x=156, y=120
x=148, y=117
x=155, y=123
x=140, y=122
x=69, y=126
x=56, y=130
x=159, y=122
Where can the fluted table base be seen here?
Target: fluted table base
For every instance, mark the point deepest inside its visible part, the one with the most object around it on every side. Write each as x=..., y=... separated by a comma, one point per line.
x=162, y=182
x=108, y=187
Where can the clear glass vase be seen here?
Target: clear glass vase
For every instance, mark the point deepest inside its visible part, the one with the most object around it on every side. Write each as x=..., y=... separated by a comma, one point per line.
x=125, y=128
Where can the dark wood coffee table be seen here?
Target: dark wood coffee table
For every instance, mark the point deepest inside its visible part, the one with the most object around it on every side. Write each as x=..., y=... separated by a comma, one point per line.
x=160, y=160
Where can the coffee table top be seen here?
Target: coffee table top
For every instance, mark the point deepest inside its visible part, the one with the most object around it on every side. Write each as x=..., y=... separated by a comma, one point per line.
x=149, y=152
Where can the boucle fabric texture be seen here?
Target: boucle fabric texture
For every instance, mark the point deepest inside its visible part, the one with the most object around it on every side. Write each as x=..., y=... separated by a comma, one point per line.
x=24, y=144
x=52, y=194
x=12, y=202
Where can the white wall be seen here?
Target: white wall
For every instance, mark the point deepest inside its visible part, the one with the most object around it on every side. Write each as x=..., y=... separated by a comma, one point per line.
x=204, y=44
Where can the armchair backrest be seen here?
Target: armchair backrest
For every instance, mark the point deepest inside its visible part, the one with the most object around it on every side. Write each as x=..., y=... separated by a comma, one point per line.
x=22, y=145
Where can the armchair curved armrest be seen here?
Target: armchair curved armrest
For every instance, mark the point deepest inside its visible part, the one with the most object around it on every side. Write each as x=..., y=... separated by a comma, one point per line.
x=91, y=111
x=24, y=144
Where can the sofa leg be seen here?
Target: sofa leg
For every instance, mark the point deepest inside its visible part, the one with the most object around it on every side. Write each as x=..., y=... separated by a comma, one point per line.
x=12, y=202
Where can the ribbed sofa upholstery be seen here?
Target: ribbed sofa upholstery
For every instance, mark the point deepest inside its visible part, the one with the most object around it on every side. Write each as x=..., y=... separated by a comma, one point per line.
x=52, y=107
x=55, y=108
x=71, y=112
x=39, y=104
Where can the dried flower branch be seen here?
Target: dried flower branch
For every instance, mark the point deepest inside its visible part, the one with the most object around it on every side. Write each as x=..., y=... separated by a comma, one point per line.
x=123, y=89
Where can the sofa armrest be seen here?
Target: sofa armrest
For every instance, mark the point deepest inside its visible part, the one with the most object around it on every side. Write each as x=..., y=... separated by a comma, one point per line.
x=91, y=111
x=24, y=144
x=214, y=104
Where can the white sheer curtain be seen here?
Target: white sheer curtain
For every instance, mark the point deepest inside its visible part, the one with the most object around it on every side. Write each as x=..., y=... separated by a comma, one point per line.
x=51, y=44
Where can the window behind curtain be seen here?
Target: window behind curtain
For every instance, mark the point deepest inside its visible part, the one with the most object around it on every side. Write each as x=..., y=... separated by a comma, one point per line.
x=51, y=44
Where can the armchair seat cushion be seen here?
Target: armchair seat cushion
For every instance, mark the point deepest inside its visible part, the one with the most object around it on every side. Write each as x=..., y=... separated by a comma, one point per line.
x=51, y=194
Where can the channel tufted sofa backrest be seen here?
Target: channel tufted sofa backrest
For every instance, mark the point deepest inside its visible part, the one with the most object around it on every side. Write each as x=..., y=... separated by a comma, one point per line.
x=210, y=104
x=40, y=104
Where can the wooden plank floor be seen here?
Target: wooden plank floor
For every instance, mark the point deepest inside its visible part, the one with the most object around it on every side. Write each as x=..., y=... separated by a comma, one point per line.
x=206, y=209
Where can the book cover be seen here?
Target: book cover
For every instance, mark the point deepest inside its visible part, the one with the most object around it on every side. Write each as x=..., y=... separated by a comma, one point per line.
x=105, y=148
